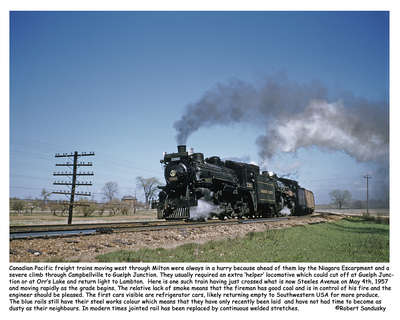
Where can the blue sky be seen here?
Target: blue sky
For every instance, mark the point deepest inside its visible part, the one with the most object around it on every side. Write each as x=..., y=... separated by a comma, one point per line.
x=115, y=83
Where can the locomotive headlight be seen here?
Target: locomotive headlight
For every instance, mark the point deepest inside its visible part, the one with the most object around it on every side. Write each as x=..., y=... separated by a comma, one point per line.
x=172, y=173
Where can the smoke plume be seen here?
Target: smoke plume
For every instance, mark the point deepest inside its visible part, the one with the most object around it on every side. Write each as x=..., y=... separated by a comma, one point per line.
x=327, y=126
x=293, y=116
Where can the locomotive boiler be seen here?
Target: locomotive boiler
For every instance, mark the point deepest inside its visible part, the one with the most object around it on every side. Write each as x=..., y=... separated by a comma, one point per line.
x=232, y=189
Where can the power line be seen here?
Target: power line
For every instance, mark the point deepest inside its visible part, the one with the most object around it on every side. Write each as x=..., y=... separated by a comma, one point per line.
x=367, y=177
x=29, y=177
x=109, y=163
x=23, y=187
x=111, y=157
x=73, y=174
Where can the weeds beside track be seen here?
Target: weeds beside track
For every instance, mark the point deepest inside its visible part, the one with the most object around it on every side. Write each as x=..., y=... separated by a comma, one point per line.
x=346, y=240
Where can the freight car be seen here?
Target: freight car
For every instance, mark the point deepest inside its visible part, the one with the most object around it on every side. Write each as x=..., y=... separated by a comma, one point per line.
x=232, y=189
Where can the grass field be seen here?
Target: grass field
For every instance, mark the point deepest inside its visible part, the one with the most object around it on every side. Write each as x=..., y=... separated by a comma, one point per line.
x=373, y=212
x=346, y=240
x=49, y=218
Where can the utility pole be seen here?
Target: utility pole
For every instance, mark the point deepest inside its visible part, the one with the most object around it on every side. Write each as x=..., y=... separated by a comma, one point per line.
x=367, y=177
x=74, y=174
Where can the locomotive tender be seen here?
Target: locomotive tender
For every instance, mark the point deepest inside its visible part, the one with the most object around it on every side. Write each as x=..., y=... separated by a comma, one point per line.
x=235, y=189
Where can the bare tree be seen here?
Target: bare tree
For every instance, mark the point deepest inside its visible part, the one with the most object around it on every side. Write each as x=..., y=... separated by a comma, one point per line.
x=87, y=208
x=114, y=207
x=18, y=205
x=101, y=209
x=125, y=209
x=58, y=206
x=340, y=197
x=45, y=195
x=30, y=206
x=149, y=186
x=110, y=190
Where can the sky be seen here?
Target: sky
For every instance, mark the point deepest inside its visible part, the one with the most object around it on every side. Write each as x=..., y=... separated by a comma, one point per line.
x=115, y=83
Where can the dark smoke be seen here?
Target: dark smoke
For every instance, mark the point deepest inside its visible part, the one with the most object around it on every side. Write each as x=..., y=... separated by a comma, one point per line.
x=225, y=104
x=293, y=116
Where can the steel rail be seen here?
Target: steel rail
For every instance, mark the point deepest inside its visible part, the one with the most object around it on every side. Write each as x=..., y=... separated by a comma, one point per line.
x=46, y=231
x=80, y=226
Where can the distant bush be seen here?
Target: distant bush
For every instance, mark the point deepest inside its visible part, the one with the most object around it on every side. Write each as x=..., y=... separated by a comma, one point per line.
x=18, y=205
x=87, y=208
x=376, y=218
x=58, y=206
x=125, y=209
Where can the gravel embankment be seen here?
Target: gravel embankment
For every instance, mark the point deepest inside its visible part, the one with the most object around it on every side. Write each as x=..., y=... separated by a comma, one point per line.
x=86, y=248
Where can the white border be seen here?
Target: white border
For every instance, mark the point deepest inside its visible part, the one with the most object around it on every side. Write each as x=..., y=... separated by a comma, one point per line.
x=172, y=5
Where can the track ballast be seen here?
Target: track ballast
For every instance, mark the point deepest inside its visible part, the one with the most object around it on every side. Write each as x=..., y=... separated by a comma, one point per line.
x=47, y=231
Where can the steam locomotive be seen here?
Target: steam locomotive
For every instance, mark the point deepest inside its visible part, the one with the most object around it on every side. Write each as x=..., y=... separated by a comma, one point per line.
x=233, y=189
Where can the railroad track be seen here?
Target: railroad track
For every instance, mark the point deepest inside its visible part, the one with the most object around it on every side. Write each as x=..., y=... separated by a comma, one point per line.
x=46, y=231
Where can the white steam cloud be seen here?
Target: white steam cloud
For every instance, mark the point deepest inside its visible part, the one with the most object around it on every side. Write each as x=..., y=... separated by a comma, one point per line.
x=202, y=210
x=327, y=126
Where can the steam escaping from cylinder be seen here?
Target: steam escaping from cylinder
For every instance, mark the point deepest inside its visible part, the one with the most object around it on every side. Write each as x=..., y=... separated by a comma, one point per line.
x=203, y=210
x=285, y=211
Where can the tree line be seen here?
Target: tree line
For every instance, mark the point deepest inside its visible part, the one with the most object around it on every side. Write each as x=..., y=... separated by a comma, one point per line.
x=148, y=185
x=112, y=204
x=343, y=198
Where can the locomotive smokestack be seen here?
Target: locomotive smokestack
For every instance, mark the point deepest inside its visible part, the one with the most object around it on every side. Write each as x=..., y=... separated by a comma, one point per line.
x=182, y=148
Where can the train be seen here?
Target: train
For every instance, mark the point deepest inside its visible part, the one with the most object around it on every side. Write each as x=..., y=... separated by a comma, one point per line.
x=231, y=189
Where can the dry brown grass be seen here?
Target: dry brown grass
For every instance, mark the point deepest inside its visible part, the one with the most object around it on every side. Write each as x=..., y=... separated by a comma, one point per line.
x=48, y=218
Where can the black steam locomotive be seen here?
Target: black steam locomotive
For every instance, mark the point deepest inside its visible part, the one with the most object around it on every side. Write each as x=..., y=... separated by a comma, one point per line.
x=233, y=189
